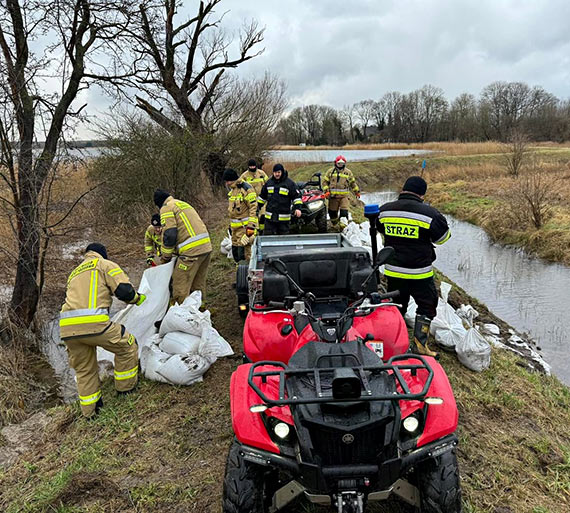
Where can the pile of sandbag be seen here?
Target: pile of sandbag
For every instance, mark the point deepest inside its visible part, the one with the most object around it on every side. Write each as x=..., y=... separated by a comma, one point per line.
x=185, y=346
x=448, y=329
x=359, y=235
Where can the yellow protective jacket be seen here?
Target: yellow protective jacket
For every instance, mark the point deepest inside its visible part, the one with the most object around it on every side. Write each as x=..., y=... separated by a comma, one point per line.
x=183, y=232
x=339, y=182
x=255, y=179
x=242, y=208
x=152, y=242
x=90, y=290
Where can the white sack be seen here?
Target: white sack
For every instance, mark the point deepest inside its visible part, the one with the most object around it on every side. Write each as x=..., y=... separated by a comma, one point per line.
x=226, y=245
x=139, y=320
x=153, y=359
x=177, y=342
x=186, y=317
x=184, y=369
x=474, y=351
x=213, y=344
x=410, y=315
x=447, y=327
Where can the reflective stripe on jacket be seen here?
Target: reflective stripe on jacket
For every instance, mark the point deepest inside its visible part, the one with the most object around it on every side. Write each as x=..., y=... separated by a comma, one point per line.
x=256, y=179
x=339, y=182
x=152, y=242
x=183, y=232
x=412, y=228
x=90, y=289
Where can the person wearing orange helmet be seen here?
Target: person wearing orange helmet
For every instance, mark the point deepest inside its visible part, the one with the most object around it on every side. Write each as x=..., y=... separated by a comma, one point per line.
x=337, y=185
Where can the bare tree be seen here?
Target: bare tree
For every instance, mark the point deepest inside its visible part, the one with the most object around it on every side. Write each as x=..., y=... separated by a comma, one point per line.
x=80, y=31
x=365, y=110
x=348, y=113
x=516, y=151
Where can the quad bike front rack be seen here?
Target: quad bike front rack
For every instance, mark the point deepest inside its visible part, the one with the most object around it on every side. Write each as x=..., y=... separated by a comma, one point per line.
x=283, y=372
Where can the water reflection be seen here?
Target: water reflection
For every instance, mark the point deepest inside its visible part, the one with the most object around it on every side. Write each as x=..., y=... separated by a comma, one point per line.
x=528, y=293
x=330, y=155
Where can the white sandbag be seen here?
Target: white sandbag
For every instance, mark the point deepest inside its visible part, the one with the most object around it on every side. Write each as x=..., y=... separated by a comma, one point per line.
x=468, y=313
x=186, y=317
x=177, y=342
x=153, y=359
x=474, y=351
x=139, y=320
x=213, y=344
x=184, y=369
x=492, y=328
x=410, y=315
x=447, y=326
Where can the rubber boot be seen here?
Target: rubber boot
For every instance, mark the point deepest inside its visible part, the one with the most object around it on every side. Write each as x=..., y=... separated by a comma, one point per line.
x=421, y=336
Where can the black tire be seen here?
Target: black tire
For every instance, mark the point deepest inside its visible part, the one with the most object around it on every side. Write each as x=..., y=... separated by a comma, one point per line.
x=242, y=288
x=244, y=485
x=438, y=483
x=321, y=221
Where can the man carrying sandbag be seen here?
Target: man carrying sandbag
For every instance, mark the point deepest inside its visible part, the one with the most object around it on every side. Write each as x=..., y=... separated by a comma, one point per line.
x=412, y=228
x=183, y=234
x=84, y=324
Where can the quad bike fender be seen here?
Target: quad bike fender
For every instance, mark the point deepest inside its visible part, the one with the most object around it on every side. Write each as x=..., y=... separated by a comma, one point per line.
x=441, y=419
x=248, y=427
x=266, y=336
x=388, y=327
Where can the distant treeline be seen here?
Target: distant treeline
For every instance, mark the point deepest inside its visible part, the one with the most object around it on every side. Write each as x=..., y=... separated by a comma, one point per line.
x=426, y=115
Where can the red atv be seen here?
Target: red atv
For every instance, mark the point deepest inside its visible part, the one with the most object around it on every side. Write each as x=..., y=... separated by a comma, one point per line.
x=314, y=208
x=332, y=409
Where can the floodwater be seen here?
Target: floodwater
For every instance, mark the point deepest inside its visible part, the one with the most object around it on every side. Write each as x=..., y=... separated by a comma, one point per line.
x=330, y=155
x=526, y=292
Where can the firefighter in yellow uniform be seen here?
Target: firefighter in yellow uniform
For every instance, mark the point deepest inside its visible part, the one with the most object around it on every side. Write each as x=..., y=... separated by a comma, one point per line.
x=153, y=240
x=242, y=209
x=337, y=184
x=184, y=235
x=84, y=324
x=256, y=178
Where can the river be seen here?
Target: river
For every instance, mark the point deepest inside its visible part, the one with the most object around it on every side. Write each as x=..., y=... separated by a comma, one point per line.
x=526, y=292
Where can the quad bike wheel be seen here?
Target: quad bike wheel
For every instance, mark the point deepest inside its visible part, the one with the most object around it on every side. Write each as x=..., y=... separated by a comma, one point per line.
x=321, y=221
x=438, y=482
x=244, y=485
x=242, y=290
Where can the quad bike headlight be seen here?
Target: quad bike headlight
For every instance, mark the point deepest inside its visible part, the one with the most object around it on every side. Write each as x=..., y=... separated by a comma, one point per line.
x=411, y=424
x=282, y=430
x=315, y=205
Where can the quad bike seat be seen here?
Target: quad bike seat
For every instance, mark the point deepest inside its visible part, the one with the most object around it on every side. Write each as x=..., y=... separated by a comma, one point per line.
x=323, y=272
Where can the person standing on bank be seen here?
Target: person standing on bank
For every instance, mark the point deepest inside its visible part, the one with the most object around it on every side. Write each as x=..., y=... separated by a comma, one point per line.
x=412, y=228
x=277, y=195
x=242, y=209
x=184, y=234
x=338, y=182
x=153, y=240
x=256, y=178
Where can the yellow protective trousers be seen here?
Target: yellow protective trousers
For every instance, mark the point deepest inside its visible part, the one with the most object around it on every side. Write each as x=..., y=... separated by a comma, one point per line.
x=82, y=352
x=189, y=275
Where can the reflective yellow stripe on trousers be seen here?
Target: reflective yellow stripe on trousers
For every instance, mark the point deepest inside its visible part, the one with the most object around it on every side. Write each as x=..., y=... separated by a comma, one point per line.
x=86, y=400
x=119, y=376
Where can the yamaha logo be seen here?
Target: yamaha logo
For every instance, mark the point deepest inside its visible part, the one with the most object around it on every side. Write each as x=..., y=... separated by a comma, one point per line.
x=348, y=438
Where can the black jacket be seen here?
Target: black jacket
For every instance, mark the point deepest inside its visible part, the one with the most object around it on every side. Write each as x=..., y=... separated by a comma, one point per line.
x=278, y=195
x=412, y=228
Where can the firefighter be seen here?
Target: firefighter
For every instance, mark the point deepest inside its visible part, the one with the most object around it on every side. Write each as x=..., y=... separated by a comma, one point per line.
x=153, y=240
x=242, y=209
x=277, y=195
x=84, y=324
x=412, y=228
x=183, y=235
x=256, y=178
x=337, y=184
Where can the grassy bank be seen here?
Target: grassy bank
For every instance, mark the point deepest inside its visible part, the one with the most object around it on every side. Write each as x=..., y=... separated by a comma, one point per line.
x=164, y=448
x=477, y=188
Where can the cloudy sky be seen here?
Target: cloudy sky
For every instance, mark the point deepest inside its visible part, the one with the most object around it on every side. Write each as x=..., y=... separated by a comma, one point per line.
x=337, y=52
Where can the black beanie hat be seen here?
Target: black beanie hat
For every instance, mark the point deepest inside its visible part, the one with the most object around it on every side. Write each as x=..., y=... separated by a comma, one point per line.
x=252, y=162
x=160, y=196
x=278, y=167
x=155, y=220
x=229, y=175
x=415, y=184
x=98, y=248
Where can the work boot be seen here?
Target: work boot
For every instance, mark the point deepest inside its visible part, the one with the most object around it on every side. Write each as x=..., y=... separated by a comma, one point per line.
x=98, y=406
x=421, y=336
